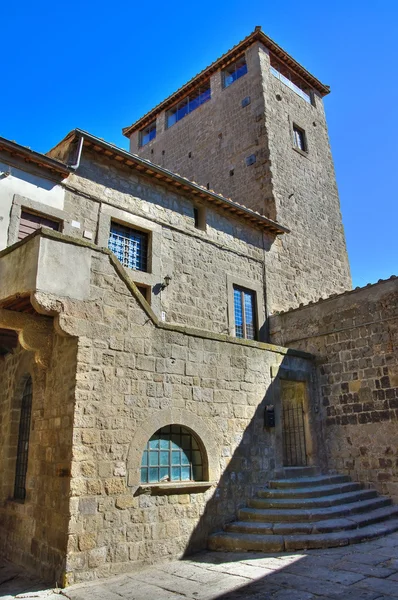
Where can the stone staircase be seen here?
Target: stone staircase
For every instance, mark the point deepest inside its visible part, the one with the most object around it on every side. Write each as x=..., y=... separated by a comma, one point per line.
x=305, y=509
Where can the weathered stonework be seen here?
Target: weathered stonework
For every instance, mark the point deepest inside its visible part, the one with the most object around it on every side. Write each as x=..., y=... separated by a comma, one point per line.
x=354, y=339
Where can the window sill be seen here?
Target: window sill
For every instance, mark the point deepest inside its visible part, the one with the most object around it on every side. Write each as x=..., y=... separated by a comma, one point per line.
x=302, y=152
x=174, y=487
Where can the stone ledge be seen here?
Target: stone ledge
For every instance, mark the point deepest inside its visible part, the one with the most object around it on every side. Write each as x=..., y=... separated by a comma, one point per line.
x=174, y=487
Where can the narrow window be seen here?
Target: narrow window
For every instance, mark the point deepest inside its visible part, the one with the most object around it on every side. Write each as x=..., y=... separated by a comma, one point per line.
x=245, y=311
x=147, y=134
x=190, y=103
x=299, y=138
x=23, y=442
x=29, y=222
x=234, y=71
x=130, y=246
x=199, y=215
x=172, y=454
x=290, y=79
x=145, y=291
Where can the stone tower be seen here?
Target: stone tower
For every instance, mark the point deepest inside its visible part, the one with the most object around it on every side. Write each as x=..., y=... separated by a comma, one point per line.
x=252, y=127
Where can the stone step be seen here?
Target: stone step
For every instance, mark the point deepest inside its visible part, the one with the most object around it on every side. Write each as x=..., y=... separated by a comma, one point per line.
x=310, y=492
x=294, y=472
x=308, y=481
x=278, y=543
x=327, y=526
x=304, y=515
x=310, y=503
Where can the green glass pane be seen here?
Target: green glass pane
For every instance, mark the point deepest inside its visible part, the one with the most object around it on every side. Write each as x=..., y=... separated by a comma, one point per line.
x=198, y=473
x=144, y=475
x=153, y=458
x=194, y=444
x=185, y=473
x=175, y=473
x=175, y=429
x=175, y=442
x=164, y=459
x=144, y=462
x=164, y=443
x=196, y=457
x=176, y=457
x=185, y=459
x=164, y=472
x=164, y=430
x=153, y=474
x=154, y=443
x=186, y=442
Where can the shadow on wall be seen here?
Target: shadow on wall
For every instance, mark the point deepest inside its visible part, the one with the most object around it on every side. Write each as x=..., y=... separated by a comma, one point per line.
x=253, y=463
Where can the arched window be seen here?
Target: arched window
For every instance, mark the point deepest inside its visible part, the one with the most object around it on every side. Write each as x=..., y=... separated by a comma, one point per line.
x=23, y=442
x=172, y=454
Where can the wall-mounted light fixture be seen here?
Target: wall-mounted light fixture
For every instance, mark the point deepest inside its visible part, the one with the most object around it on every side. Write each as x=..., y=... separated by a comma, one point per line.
x=166, y=282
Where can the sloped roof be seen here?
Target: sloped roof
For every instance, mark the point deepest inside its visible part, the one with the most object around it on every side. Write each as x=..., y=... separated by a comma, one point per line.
x=220, y=63
x=37, y=159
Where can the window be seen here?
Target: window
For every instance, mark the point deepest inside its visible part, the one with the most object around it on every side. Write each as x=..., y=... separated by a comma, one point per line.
x=234, y=71
x=199, y=215
x=172, y=454
x=130, y=246
x=289, y=78
x=147, y=134
x=29, y=222
x=145, y=291
x=245, y=311
x=190, y=103
x=299, y=139
x=23, y=442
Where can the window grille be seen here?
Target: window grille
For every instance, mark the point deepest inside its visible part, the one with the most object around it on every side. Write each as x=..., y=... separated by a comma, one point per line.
x=172, y=454
x=129, y=246
x=244, y=308
x=23, y=442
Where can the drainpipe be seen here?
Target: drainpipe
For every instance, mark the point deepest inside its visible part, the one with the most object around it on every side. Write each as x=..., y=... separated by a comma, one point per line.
x=79, y=154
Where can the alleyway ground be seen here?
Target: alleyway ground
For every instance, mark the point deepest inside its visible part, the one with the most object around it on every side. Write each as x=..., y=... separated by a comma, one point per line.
x=366, y=571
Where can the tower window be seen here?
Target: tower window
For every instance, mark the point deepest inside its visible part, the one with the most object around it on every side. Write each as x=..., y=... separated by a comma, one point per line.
x=147, y=134
x=172, y=454
x=234, y=71
x=23, y=442
x=290, y=79
x=299, y=139
x=190, y=103
x=245, y=311
x=130, y=246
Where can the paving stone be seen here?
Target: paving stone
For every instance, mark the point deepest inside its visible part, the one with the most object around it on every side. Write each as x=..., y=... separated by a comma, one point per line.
x=323, y=573
x=384, y=586
x=367, y=570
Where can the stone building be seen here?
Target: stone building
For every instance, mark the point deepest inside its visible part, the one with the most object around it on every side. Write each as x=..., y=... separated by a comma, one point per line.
x=148, y=354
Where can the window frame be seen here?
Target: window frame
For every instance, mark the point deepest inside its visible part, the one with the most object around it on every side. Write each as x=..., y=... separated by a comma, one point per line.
x=299, y=133
x=151, y=127
x=234, y=75
x=39, y=215
x=199, y=96
x=144, y=234
x=243, y=293
x=258, y=289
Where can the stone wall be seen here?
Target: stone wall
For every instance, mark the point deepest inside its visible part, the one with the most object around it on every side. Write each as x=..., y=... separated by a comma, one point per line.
x=354, y=338
x=135, y=375
x=34, y=532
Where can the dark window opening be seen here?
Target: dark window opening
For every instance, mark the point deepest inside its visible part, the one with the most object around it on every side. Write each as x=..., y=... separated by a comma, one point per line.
x=145, y=291
x=172, y=454
x=23, y=442
x=245, y=313
x=29, y=222
x=234, y=71
x=199, y=215
x=130, y=246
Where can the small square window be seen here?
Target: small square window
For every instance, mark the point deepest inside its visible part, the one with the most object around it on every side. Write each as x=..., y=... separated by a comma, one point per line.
x=299, y=138
x=245, y=313
x=234, y=71
x=147, y=134
x=130, y=246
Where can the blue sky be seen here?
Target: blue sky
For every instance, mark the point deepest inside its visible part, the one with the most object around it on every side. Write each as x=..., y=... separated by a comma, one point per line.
x=101, y=65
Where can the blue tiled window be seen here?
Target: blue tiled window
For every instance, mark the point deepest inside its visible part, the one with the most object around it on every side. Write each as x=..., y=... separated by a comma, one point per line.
x=190, y=103
x=234, y=71
x=172, y=454
x=130, y=246
x=147, y=134
x=245, y=310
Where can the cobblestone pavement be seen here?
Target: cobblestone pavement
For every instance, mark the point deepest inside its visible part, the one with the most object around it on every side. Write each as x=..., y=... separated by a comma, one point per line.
x=362, y=572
